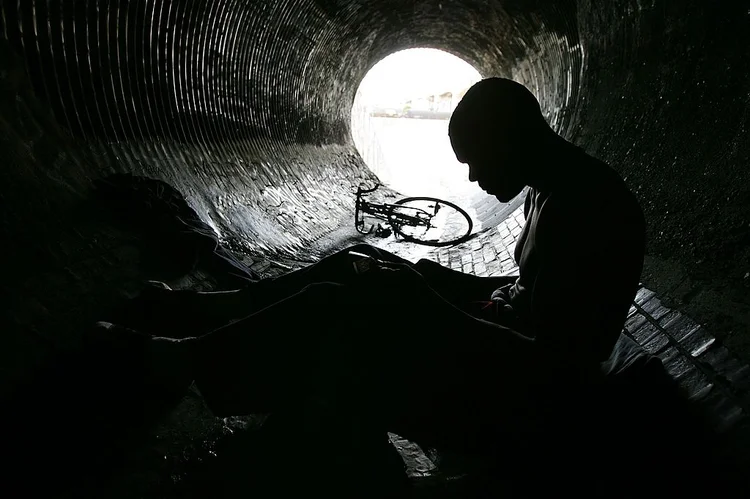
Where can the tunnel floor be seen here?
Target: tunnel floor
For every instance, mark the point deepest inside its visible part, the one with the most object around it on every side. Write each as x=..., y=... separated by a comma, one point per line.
x=190, y=451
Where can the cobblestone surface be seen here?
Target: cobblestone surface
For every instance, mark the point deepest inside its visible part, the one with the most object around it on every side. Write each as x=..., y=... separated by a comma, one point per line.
x=693, y=357
x=490, y=254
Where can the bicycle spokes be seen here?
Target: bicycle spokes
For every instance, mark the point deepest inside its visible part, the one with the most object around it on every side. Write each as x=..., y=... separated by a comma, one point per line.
x=430, y=221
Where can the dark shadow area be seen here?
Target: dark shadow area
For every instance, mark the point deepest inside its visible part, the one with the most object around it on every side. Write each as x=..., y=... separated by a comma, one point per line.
x=72, y=429
x=175, y=237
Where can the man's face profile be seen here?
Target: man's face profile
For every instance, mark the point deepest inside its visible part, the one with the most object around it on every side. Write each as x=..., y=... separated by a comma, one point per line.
x=495, y=130
x=493, y=163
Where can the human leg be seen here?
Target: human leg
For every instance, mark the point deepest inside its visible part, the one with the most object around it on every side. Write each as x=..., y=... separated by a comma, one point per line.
x=452, y=365
x=429, y=372
x=263, y=363
x=335, y=268
x=162, y=311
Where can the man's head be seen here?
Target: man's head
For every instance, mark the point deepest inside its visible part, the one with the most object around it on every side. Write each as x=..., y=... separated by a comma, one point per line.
x=494, y=129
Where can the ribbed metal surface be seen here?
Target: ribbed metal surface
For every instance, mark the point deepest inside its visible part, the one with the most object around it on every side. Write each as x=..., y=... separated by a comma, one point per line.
x=244, y=105
x=230, y=70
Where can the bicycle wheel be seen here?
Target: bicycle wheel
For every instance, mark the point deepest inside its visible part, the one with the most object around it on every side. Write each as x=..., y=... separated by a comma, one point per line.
x=430, y=221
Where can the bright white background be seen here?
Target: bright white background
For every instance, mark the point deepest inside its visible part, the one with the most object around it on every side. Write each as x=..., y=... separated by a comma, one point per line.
x=413, y=156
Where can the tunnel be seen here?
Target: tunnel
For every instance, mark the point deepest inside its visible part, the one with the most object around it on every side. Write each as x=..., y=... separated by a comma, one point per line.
x=244, y=107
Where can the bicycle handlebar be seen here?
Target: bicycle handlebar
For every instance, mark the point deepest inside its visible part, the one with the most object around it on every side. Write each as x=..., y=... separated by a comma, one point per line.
x=360, y=190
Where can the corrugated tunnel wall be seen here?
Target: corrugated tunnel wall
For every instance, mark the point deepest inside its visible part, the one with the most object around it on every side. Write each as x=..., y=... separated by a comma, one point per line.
x=244, y=106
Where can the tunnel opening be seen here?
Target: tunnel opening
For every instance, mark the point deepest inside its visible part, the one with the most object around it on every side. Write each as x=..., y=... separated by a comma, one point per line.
x=400, y=122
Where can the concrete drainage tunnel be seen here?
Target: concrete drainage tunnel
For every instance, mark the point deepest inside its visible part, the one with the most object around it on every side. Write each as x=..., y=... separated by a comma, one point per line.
x=244, y=107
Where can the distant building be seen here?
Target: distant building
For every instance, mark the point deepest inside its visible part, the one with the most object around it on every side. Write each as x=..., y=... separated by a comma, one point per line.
x=444, y=102
x=437, y=105
x=434, y=106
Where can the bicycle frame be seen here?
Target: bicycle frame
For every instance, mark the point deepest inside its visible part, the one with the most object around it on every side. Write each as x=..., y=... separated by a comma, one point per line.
x=385, y=212
x=403, y=213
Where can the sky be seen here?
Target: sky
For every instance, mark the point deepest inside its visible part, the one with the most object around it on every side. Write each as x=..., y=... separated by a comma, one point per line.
x=415, y=72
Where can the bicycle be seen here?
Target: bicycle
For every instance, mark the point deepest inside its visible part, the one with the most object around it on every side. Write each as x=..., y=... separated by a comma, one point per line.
x=413, y=218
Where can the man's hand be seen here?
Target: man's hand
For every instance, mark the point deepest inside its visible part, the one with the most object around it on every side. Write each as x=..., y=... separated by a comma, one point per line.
x=502, y=294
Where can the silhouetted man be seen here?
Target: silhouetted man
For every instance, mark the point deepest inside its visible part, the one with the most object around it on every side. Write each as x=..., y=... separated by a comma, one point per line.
x=584, y=235
x=406, y=344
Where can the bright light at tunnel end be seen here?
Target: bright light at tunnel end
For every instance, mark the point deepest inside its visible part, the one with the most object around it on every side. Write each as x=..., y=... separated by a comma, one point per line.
x=400, y=121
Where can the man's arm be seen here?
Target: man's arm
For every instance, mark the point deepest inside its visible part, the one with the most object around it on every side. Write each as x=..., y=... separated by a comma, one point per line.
x=457, y=286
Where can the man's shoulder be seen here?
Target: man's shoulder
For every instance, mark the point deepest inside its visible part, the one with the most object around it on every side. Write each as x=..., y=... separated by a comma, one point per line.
x=604, y=176
x=602, y=187
x=603, y=209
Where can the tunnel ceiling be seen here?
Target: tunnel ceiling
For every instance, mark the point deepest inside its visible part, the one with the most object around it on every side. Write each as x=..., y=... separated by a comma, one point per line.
x=244, y=106
x=234, y=70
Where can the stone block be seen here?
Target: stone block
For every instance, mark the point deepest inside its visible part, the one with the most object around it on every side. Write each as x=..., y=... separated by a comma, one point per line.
x=657, y=343
x=634, y=322
x=725, y=364
x=632, y=311
x=510, y=269
x=494, y=268
x=676, y=364
x=668, y=317
x=654, y=308
x=480, y=269
x=643, y=295
x=695, y=382
x=680, y=327
x=645, y=333
x=488, y=253
x=697, y=342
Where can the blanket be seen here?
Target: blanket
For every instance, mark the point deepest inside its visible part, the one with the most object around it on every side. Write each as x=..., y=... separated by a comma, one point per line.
x=164, y=220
